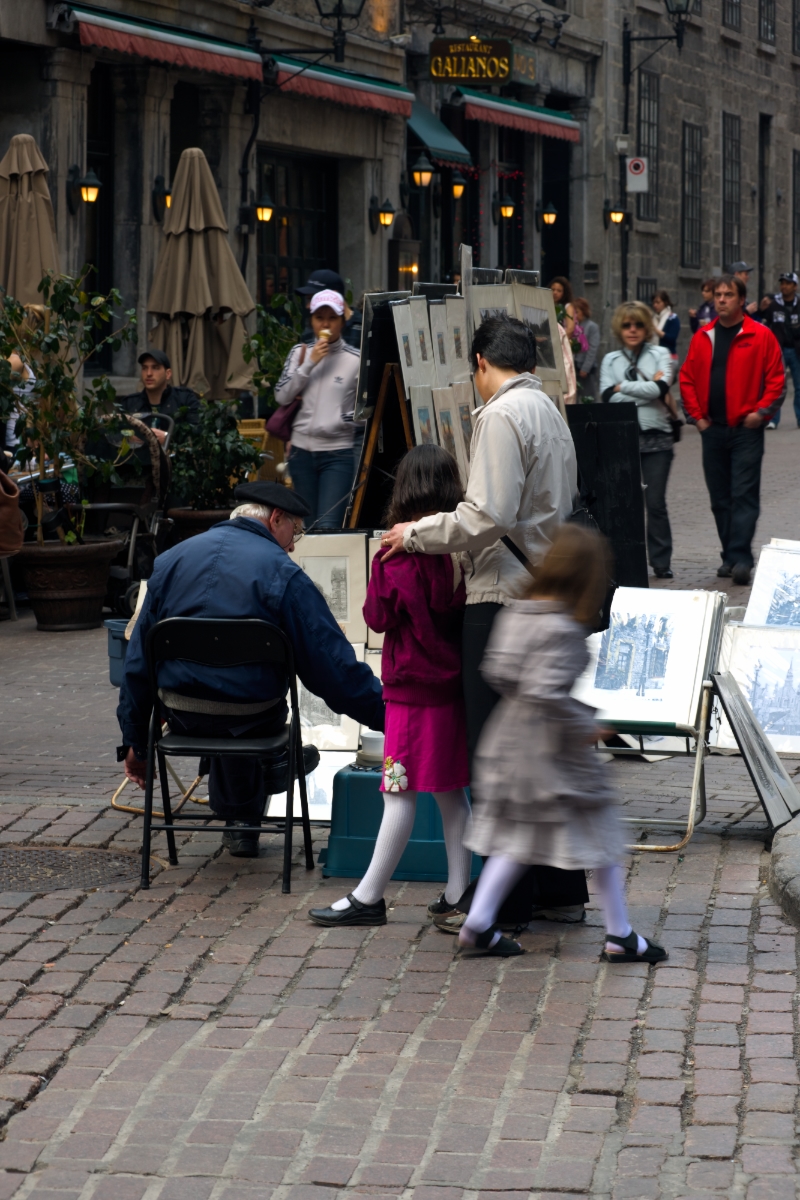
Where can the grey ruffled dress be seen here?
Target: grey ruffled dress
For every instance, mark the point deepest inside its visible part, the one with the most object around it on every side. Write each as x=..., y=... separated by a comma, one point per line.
x=541, y=793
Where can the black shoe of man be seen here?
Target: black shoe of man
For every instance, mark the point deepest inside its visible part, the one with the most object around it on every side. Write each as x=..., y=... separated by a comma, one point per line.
x=741, y=574
x=356, y=914
x=240, y=845
x=724, y=570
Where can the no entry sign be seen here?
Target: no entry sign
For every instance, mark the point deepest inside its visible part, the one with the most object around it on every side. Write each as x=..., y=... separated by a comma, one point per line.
x=636, y=175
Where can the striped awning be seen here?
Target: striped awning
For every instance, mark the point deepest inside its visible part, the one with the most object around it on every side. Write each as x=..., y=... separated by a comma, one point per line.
x=497, y=110
x=340, y=87
x=160, y=43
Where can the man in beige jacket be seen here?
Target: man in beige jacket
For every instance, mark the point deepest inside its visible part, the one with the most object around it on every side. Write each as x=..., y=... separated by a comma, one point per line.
x=522, y=485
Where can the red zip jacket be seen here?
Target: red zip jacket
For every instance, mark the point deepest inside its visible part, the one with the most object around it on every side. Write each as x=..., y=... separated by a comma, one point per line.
x=412, y=599
x=754, y=377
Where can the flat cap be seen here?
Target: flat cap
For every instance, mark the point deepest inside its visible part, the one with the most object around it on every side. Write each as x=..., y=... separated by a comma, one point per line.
x=272, y=495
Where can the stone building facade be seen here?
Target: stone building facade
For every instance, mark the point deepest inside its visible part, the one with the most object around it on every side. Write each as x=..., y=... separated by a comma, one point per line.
x=718, y=123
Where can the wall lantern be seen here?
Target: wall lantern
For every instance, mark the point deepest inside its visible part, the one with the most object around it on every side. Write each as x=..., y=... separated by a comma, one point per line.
x=264, y=209
x=502, y=207
x=380, y=215
x=422, y=171
x=162, y=198
x=86, y=188
x=544, y=216
x=340, y=10
x=459, y=184
x=679, y=12
x=614, y=214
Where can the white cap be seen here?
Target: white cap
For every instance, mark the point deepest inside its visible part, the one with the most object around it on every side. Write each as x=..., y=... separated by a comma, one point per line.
x=328, y=299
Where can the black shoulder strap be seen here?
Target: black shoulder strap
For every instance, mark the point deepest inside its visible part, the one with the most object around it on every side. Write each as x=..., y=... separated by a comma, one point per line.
x=518, y=555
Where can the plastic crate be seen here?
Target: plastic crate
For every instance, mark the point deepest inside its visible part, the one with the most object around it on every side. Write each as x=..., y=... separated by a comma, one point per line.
x=117, y=649
x=355, y=820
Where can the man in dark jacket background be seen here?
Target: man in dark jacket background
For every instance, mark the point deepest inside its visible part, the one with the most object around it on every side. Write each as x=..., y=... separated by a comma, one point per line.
x=241, y=568
x=732, y=382
x=158, y=394
x=781, y=313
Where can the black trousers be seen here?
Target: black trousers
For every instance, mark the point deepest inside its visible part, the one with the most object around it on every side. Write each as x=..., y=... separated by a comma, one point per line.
x=732, y=467
x=655, y=473
x=236, y=788
x=540, y=887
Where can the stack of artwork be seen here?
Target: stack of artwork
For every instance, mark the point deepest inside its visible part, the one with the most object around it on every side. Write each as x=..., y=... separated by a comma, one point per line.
x=649, y=665
x=762, y=651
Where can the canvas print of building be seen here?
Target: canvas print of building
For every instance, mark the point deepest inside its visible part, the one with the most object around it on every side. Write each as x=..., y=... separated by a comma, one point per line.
x=539, y=322
x=330, y=576
x=774, y=693
x=775, y=598
x=634, y=654
x=448, y=435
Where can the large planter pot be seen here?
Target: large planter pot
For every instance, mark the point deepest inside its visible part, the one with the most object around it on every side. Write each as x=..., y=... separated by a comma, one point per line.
x=67, y=584
x=190, y=521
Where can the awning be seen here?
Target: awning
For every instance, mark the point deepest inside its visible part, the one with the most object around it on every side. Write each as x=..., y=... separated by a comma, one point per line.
x=340, y=87
x=162, y=43
x=444, y=147
x=496, y=110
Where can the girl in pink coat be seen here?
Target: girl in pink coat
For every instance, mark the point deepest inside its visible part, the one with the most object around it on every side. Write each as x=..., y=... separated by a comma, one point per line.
x=417, y=601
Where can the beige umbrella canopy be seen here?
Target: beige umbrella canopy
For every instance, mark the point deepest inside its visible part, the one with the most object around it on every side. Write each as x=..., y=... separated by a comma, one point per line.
x=28, y=247
x=198, y=292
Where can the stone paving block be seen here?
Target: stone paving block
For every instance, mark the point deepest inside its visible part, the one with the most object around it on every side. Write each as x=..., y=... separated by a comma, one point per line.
x=710, y=1141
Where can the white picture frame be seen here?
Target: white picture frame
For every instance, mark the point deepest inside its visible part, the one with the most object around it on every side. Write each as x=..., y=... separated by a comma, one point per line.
x=536, y=307
x=458, y=339
x=465, y=411
x=401, y=312
x=440, y=341
x=423, y=347
x=765, y=662
x=337, y=564
x=491, y=300
x=320, y=726
x=449, y=433
x=423, y=417
x=374, y=640
x=775, y=595
x=319, y=789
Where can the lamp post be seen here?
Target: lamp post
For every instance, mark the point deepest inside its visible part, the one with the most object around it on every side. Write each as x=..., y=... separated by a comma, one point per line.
x=340, y=10
x=678, y=12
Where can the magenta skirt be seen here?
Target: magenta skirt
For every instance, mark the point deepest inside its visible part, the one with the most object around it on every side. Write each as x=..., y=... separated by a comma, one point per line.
x=425, y=748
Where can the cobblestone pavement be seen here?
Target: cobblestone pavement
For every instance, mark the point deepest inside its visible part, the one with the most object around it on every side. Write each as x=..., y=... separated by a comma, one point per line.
x=203, y=1041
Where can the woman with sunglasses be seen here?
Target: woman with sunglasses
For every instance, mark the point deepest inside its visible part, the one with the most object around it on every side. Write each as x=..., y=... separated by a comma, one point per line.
x=642, y=373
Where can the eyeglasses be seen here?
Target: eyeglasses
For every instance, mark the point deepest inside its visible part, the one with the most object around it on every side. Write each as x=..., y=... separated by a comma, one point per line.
x=298, y=533
x=633, y=325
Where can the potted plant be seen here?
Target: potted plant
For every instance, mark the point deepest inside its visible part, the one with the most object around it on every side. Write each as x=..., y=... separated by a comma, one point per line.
x=60, y=423
x=278, y=329
x=208, y=460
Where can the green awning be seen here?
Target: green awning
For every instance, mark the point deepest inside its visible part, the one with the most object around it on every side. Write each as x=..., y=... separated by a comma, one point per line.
x=436, y=137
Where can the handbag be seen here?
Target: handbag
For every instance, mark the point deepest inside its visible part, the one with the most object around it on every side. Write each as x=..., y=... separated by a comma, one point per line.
x=11, y=524
x=281, y=423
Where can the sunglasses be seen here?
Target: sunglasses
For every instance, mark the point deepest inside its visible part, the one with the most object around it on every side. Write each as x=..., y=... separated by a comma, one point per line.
x=633, y=325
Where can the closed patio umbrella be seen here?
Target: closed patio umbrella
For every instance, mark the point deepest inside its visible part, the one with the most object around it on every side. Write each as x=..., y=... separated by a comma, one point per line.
x=28, y=246
x=198, y=292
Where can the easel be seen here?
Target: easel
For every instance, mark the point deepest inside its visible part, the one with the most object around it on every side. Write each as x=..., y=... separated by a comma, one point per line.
x=392, y=381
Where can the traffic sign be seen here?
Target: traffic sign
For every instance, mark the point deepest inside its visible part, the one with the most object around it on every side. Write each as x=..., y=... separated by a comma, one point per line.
x=637, y=175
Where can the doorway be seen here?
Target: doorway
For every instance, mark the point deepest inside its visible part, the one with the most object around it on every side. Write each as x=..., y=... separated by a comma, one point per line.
x=303, y=234
x=555, y=190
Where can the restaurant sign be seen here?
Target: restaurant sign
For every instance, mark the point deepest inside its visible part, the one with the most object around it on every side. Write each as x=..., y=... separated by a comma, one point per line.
x=475, y=63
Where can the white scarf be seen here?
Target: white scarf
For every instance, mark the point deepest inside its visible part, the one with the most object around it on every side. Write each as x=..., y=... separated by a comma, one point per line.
x=662, y=318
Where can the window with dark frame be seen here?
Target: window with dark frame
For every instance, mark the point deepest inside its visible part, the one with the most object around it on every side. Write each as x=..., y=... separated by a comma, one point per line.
x=732, y=14
x=795, y=208
x=731, y=188
x=766, y=20
x=691, y=194
x=646, y=288
x=647, y=137
x=795, y=26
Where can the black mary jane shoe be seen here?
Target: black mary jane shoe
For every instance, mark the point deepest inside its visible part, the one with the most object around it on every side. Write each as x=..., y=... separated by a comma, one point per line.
x=356, y=914
x=503, y=948
x=630, y=950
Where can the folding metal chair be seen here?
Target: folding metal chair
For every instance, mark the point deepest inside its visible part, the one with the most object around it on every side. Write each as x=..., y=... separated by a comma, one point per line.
x=225, y=644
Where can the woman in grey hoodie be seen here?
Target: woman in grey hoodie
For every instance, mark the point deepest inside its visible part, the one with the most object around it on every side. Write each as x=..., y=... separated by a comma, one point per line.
x=326, y=375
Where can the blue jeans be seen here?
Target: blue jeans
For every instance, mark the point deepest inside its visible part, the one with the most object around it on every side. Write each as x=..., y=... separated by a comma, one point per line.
x=792, y=362
x=323, y=478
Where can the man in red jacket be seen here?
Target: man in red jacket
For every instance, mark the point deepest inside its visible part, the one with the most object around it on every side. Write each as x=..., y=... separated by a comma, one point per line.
x=732, y=383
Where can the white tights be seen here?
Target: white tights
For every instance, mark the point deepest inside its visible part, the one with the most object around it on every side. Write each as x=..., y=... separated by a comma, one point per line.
x=500, y=875
x=399, y=810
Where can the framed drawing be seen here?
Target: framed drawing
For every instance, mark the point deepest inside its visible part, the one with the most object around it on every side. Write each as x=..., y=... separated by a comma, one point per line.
x=491, y=300
x=775, y=596
x=449, y=433
x=765, y=662
x=463, y=399
x=437, y=312
x=319, y=788
x=374, y=640
x=423, y=349
x=336, y=564
x=423, y=417
x=535, y=306
x=405, y=343
x=458, y=340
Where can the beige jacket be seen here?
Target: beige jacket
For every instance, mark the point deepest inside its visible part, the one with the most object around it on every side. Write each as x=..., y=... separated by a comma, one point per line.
x=522, y=482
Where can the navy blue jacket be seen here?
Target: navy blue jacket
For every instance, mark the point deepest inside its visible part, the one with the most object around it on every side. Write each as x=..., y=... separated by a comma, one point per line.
x=238, y=570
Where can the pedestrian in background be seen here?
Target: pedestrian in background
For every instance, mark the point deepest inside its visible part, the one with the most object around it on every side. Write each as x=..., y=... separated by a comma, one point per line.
x=563, y=299
x=326, y=375
x=641, y=372
x=586, y=360
x=732, y=383
x=541, y=795
x=322, y=280
x=706, y=312
x=781, y=314
x=668, y=323
x=742, y=270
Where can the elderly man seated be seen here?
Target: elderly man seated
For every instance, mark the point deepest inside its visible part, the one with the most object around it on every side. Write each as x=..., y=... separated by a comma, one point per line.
x=241, y=568
x=158, y=395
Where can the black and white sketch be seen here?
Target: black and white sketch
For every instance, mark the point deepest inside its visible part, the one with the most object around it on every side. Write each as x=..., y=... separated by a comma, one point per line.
x=765, y=662
x=336, y=563
x=774, y=693
x=539, y=321
x=330, y=577
x=775, y=596
x=634, y=653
